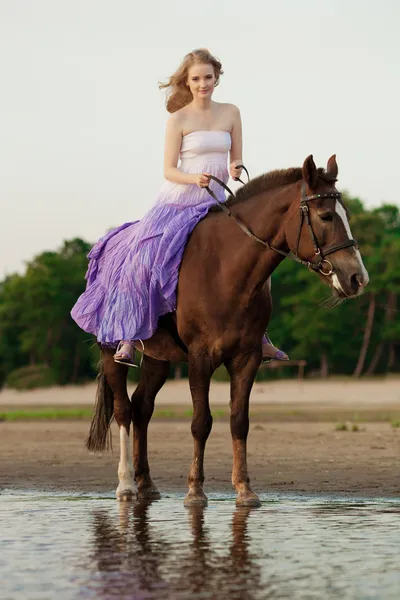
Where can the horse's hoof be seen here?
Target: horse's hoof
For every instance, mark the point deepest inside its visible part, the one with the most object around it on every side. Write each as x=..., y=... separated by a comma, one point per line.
x=149, y=493
x=126, y=495
x=196, y=499
x=249, y=499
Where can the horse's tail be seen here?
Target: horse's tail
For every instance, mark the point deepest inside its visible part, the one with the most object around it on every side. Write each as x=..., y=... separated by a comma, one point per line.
x=100, y=434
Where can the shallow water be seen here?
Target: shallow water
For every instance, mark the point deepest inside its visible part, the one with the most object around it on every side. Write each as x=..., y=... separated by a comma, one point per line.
x=64, y=547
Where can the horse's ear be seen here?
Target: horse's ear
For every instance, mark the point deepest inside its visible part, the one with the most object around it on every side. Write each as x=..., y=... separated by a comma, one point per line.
x=332, y=168
x=310, y=173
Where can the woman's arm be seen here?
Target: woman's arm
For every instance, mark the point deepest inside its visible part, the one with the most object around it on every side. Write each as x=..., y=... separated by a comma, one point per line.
x=236, y=147
x=173, y=142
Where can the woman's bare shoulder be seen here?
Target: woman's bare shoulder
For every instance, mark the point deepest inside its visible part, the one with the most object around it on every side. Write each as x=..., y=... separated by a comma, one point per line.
x=228, y=107
x=180, y=114
x=176, y=120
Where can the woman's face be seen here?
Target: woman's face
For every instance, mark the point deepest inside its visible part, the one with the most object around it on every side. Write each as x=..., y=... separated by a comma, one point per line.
x=201, y=80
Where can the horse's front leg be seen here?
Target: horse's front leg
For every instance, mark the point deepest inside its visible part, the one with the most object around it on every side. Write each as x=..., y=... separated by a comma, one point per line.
x=200, y=371
x=242, y=369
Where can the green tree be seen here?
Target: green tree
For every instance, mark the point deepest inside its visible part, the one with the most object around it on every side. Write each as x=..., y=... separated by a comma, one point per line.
x=35, y=320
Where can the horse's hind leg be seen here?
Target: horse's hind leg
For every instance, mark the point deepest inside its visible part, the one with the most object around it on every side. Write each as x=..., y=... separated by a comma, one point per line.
x=242, y=370
x=152, y=378
x=116, y=375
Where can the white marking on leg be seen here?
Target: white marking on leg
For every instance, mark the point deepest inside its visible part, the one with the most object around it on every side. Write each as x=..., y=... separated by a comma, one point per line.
x=127, y=485
x=342, y=214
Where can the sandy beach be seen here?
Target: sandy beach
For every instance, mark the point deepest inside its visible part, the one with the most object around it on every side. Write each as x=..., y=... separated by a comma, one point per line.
x=333, y=392
x=294, y=441
x=283, y=457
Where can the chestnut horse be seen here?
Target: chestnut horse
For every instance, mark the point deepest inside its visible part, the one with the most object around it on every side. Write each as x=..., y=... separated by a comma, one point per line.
x=223, y=309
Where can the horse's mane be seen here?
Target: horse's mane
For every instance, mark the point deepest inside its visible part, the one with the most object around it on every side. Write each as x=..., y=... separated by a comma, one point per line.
x=270, y=181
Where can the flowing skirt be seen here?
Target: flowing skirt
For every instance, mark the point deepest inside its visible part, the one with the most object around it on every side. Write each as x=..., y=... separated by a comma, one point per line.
x=133, y=270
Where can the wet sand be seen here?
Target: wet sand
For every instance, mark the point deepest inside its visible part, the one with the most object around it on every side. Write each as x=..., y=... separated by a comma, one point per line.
x=288, y=457
x=293, y=444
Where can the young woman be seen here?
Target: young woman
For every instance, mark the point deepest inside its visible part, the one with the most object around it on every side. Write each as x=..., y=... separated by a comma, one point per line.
x=133, y=270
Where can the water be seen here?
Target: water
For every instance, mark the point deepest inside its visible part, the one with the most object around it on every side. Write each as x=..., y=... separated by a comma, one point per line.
x=76, y=546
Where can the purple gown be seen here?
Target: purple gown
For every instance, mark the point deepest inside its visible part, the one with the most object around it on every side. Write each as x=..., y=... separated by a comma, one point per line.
x=133, y=270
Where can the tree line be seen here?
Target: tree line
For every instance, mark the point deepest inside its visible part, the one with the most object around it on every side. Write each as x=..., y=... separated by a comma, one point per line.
x=41, y=345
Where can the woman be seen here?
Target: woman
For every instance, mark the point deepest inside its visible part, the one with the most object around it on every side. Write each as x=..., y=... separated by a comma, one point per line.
x=133, y=271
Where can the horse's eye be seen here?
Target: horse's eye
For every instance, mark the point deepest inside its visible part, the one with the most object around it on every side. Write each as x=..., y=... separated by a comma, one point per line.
x=327, y=217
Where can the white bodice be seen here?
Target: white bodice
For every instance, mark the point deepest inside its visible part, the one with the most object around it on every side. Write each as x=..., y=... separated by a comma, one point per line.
x=204, y=147
x=201, y=152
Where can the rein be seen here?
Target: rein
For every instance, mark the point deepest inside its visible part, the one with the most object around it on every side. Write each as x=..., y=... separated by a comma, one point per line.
x=304, y=218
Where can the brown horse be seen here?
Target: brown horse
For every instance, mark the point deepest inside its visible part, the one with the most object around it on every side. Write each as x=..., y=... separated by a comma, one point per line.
x=223, y=309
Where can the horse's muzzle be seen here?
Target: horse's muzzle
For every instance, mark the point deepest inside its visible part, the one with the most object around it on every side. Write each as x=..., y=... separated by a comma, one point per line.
x=349, y=284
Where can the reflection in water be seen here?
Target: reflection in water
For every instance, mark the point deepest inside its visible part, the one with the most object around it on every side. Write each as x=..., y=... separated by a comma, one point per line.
x=136, y=560
x=292, y=547
x=127, y=555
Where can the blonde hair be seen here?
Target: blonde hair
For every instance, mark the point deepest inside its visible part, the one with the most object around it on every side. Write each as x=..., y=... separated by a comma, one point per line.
x=178, y=93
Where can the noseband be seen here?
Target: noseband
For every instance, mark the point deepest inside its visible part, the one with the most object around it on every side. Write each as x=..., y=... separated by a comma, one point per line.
x=319, y=253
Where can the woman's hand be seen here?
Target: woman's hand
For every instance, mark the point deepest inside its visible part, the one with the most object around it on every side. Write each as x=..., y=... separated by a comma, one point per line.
x=202, y=180
x=235, y=171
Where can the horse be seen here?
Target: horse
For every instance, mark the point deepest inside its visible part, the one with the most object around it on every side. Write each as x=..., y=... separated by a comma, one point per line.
x=223, y=308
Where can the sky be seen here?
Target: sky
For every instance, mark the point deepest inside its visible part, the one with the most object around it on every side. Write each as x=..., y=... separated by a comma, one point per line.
x=82, y=120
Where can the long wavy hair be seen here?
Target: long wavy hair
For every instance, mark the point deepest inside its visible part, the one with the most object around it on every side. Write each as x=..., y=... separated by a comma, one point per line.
x=178, y=93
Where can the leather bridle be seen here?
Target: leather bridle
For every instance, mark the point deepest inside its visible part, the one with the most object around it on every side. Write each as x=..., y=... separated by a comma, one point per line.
x=319, y=253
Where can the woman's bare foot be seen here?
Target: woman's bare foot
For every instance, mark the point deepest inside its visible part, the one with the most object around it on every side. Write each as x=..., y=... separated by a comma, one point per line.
x=125, y=354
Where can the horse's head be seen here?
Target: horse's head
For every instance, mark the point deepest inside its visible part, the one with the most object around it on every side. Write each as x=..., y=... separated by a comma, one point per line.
x=318, y=231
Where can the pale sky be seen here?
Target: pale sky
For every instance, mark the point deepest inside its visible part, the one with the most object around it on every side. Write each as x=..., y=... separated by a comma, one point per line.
x=82, y=120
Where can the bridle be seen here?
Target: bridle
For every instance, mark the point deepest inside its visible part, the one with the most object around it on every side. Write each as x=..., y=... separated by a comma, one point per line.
x=319, y=253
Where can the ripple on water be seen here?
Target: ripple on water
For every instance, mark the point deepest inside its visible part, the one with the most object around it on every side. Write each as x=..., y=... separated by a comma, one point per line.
x=66, y=546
